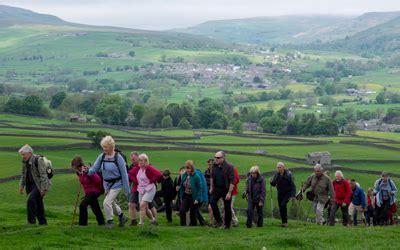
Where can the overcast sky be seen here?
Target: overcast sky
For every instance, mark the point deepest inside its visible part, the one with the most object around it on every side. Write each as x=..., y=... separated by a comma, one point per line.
x=167, y=14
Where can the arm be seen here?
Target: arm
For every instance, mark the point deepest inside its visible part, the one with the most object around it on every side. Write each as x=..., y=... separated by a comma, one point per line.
x=362, y=197
x=124, y=174
x=155, y=174
x=376, y=187
x=274, y=179
x=394, y=188
x=331, y=191
x=96, y=166
x=292, y=185
x=237, y=177
x=132, y=176
x=231, y=177
x=347, y=199
x=198, y=188
x=307, y=184
x=22, y=181
x=263, y=191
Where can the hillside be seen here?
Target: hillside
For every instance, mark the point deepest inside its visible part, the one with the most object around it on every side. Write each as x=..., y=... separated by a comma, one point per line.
x=12, y=15
x=262, y=30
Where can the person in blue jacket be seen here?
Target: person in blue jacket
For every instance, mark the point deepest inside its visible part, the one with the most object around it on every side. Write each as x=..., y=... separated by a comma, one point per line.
x=358, y=203
x=112, y=167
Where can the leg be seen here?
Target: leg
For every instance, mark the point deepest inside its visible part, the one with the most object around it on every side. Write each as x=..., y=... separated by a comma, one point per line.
x=185, y=206
x=108, y=203
x=235, y=220
x=260, y=215
x=199, y=217
x=319, y=212
x=168, y=211
x=351, y=213
x=94, y=204
x=332, y=214
x=250, y=214
x=283, y=200
x=83, y=213
x=143, y=211
x=345, y=215
x=193, y=210
x=228, y=212
x=214, y=205
x=31, y=206
x=133, y=203
x=210, y=213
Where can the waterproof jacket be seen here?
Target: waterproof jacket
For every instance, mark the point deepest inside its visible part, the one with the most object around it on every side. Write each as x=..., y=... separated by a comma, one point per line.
x=342, y=191
x=229, y=174
x=321, y=187
x=39, y=174
x=284, y=183
x=392, y=191
x=195, y=185
x=90, y=184
x=167, y=189
x=358, y=197
x=204, y=188
x=256, y=185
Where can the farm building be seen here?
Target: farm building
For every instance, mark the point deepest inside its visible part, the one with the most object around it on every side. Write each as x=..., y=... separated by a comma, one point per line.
x=323, y=158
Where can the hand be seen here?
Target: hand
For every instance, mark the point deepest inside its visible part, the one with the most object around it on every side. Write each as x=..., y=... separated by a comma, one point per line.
x=178, y=188
x=196, y=202
x=21, y=190
x=228, y=196
x=43, y=193
x=260, y=204
x=270, y=180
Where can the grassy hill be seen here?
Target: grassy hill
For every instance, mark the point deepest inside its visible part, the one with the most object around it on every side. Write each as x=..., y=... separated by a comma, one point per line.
x=12, y=15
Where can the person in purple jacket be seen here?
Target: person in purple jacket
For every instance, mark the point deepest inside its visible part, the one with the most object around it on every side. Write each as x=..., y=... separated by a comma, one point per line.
x=255, y=190
x=92, y=187
x=115, y=179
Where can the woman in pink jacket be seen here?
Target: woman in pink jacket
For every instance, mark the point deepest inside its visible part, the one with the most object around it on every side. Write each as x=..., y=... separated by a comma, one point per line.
x=145, y=178
x=92, y=186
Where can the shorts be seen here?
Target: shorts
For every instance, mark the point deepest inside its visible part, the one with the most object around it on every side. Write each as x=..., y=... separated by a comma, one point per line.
x=134, y=197
x=148, y=196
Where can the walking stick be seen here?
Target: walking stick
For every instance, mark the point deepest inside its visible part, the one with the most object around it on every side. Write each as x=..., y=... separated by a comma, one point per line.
x=76, y=203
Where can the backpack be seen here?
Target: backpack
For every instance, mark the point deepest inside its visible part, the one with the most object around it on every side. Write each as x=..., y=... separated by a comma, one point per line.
x=115, y=161
x=47, y=164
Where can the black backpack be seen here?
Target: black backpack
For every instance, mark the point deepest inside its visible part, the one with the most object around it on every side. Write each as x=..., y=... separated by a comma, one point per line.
x=115, y=161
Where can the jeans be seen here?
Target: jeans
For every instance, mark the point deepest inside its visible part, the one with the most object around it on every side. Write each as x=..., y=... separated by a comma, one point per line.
x=90, y=200
x=250, y=213
x=35, y=207
x=370, y=214
x=168, y=210
x=381, y=213
x=215, y=197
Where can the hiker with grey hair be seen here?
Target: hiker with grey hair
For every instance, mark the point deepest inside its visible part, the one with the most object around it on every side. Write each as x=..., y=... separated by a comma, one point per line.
x=284, y=183
x=321, y=192
x=343, y=198
x=385, y=196
x=36, y=183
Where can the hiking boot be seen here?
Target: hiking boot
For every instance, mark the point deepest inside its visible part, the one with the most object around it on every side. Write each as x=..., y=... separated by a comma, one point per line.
x=109, y=224
x=133, y=223
x=225, y=227
x=122, y=220
x=217, y=225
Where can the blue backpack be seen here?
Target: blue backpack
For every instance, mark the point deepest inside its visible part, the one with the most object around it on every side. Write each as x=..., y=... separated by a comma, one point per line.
x=204, y=188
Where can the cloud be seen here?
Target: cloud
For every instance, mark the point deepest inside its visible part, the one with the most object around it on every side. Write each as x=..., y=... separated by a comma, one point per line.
x=165, y=14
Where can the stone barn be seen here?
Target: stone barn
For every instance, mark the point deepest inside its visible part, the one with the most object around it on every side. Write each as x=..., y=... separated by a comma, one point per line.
x=323, y=158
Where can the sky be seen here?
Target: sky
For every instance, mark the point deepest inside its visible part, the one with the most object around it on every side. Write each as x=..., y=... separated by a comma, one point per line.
x=169, y=14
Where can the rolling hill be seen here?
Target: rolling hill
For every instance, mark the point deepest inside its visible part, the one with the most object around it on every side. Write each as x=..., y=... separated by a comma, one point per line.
x=12, y=15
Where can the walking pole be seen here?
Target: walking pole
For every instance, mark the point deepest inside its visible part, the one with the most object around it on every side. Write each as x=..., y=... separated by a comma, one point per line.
x=308, y=213
x=76, y=203
x=272, y=208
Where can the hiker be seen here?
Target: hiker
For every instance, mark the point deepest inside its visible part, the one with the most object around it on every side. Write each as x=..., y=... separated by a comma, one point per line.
x=207, y=175
x=36, y=183
x=370, y=207
x=134, y=195
x=358, y=203
x=321, y=192
x=177, y=181
x=115, y=179
x=167, y=192
x=190, y=192
x=221, y=186
x=92, y=186
x=343, y=198
x=146, y=177
x=283, y=181
x=385, y=196
x=255, y=190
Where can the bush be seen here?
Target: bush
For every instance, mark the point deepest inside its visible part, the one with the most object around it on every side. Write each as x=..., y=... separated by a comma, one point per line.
x=97, y=136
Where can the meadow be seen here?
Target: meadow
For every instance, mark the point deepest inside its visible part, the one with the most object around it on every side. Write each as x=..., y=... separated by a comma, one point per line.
x=60, y=200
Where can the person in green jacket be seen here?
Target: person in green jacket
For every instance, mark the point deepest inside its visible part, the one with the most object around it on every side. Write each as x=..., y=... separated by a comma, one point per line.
x=36, y=183
x=190, y=192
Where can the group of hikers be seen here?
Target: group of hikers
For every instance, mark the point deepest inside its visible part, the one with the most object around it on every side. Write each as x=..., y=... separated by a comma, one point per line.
x=191, y=190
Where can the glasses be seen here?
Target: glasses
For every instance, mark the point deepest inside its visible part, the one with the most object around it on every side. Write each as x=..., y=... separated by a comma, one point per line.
x=216, y=157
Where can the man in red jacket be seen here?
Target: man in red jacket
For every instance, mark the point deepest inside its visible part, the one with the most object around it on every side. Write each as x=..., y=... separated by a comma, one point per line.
x=343, y=198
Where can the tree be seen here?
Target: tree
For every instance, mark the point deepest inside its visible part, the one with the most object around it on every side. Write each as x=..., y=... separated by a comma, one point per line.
x=274, y=124
x=166, y=122
x=237, y=127
x=113, y=110
x=131, y=53
x=257, y=79
x=32, y=105
x=138, y=112
x=174, y=111
x=97, y=136
x=57, y=99
x=13, y=105
x=77, y=85
x=184, y=124
x=351, y=128
x=380, y=98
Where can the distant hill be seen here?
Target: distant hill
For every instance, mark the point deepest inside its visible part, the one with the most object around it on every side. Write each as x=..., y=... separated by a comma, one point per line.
x=263, y=30
x=12, y=15
x=291, y=29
